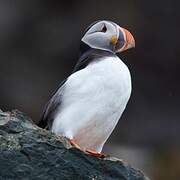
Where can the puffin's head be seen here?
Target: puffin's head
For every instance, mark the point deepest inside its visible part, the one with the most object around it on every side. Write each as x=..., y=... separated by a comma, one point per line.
x=109, y=36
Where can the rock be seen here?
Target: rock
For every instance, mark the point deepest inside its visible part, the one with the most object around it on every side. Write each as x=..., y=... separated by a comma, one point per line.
x=28, y=152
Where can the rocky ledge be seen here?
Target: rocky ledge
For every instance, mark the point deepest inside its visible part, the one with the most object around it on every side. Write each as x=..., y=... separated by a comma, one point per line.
x=28, y=152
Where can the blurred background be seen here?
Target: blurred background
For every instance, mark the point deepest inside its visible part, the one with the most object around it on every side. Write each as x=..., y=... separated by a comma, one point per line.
x=39, y=45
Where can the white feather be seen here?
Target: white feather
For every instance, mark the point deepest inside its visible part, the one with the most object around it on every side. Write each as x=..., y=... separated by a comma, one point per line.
x=93, y=100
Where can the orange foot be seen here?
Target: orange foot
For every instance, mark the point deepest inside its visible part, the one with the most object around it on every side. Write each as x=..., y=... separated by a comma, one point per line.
x=73, y=143
x=95, y=154
x=90, y=152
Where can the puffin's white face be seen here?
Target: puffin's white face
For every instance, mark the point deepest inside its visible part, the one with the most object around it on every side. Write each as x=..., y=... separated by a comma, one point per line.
x=106, y=35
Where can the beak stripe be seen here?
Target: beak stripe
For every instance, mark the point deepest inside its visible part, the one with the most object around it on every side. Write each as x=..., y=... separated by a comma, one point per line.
x=129, y=40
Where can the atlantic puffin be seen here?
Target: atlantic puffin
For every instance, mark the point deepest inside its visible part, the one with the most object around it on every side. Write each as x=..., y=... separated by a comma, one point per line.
x=89, y=103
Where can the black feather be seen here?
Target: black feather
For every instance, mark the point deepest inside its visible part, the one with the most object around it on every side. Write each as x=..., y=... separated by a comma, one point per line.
x=51, y=107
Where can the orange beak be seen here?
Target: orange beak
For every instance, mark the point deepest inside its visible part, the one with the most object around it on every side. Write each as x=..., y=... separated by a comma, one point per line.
x=129, y=41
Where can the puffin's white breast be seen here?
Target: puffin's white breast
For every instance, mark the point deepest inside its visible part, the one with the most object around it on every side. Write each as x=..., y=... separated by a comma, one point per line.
x=93, y=100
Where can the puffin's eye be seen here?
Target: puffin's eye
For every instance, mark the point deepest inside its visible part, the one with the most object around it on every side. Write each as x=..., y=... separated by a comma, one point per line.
x=104, y=29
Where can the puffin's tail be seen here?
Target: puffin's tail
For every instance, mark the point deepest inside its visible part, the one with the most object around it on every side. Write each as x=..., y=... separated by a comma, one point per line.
x=43, y=124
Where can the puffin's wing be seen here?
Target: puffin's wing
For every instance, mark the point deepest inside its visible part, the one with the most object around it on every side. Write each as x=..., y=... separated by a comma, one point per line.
x=52, y=107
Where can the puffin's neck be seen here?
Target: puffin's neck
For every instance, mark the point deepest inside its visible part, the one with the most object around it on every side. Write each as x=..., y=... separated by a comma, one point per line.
x=87, y=51
x=88, y=55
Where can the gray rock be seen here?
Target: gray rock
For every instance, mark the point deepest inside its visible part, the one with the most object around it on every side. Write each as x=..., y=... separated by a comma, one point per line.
x=28, y=152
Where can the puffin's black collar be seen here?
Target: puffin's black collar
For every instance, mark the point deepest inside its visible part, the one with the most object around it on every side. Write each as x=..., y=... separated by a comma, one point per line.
x=89, y=55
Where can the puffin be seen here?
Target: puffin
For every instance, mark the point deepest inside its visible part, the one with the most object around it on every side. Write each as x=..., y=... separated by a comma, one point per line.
x=88, y=104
